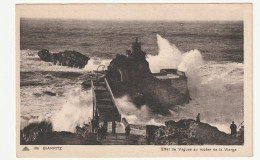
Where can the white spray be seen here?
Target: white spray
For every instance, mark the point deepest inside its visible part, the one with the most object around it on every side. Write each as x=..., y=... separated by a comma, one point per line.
x=170, y=57
x=216, y=89
x=133, y=114
x=75, y=111
x=93, y=64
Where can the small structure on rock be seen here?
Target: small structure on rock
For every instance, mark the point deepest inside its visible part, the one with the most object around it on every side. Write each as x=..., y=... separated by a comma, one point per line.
x=130, y=74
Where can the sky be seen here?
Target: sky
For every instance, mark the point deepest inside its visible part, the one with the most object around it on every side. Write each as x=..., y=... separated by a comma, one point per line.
x=168, y=12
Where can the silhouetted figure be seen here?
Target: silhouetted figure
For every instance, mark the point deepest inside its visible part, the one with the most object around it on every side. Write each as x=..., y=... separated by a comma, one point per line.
x=105, y=128
x=97, y=119
x=127, y=131
x=198, y=117
x=114, y=128
x=99, y=134
x=103, y=132
x=233, y=128
x=240, y=134
x=105, y=123
x=92, y=125
x=96, y=123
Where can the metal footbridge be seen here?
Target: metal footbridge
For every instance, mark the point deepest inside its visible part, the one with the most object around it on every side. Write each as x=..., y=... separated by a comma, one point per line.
x=104, y=104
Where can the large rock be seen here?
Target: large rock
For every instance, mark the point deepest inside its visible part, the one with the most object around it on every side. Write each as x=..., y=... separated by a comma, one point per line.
x=66, y=58
x=191, y=132
x=130, y=74
x=43, y=134
x=34, y=131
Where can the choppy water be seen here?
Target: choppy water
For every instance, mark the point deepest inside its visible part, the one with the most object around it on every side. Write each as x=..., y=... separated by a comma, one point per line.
x=216, y=88
x=217, y=41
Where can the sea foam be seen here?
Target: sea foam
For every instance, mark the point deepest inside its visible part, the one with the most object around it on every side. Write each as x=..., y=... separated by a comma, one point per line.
x=216, y=90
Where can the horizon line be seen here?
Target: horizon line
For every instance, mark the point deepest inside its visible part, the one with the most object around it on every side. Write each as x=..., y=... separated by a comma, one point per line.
x=137, y=20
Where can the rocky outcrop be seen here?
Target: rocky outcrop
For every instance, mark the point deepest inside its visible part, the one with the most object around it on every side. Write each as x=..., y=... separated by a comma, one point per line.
x=42, y=134
x=66, y=58
x=34, y=131
x=130, y=74
x=191, y=132
x=49, y=93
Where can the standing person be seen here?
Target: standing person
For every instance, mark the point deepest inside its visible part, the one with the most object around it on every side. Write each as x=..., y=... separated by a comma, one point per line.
x=97, y=123
x=240, y=134
x=103, y=132
x=105, y=123
x=96, y=126
x=93, y=125
x=105, y=127
x=99, y=134
x=127, y=131
x=114, y=128
x=233, y=128
x=198, y=117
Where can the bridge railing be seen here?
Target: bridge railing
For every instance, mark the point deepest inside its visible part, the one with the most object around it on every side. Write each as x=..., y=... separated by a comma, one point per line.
x=112, y=97
x=94, y=98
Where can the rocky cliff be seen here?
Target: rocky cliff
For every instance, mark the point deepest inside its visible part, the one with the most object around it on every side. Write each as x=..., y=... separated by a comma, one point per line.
x=66, y=58
x=191, y=132
x=130, y=74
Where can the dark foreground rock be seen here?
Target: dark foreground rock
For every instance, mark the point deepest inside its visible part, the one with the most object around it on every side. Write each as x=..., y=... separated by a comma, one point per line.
x=42, y=134
x=34, y=131
x=183, y=132
x=66, y=58
x=190, y=132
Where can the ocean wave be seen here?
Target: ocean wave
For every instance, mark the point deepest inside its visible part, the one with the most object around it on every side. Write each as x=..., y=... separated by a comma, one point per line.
x=216, y=89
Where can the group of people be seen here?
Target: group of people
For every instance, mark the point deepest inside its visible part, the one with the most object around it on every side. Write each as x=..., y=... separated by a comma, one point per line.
x=233, y=126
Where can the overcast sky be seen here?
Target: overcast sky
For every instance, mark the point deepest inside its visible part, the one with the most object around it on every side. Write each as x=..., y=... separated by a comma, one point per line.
x=170, y=12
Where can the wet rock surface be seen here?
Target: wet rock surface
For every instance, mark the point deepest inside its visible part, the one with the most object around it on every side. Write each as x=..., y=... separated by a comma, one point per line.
x=42, y=134
x=66, y=58
x=35, y=131
x=191, y=132
x=183, y=132
x=130, y=75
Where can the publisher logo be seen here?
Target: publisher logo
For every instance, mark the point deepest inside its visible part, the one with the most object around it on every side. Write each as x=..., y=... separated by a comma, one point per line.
x=25, y=149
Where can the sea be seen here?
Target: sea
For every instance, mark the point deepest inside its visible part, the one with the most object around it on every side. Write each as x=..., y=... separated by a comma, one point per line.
x=210, y=52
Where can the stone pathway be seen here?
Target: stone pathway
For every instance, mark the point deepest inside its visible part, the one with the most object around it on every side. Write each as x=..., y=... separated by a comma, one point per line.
x=120, y=139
